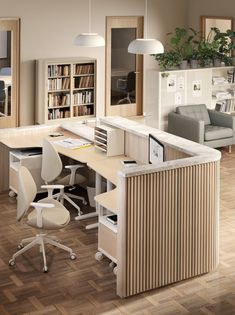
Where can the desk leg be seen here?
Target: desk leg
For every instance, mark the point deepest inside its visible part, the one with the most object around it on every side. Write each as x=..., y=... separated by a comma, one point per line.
x=110, y=185
x=98, y=190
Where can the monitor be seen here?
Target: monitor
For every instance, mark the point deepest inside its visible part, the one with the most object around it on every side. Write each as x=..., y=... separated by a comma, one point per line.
x=156, y=150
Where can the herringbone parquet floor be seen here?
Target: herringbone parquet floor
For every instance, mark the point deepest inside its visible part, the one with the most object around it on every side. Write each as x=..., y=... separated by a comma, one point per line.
x=86, y=287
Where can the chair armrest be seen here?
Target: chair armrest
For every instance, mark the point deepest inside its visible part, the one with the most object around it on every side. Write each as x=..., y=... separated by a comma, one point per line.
x=38, y=207
x=42, y=205
x=52, y=186
x=73, y=169
x=186, y=127
x=50, y=189
x=221, y=119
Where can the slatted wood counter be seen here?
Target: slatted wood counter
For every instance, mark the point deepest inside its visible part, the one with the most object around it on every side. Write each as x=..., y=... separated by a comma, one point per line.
x=168, y=215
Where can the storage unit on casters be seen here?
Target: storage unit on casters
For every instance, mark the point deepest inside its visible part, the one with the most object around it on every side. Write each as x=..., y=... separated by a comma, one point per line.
x=107, y=231
x=32, y=160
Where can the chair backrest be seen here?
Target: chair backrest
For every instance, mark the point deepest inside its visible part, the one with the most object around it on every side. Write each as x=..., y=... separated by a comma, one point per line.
x=51, y=162
x=198, y=112
x=2, y=90
x=27, y=191
x=5, y=71
x=130, y=81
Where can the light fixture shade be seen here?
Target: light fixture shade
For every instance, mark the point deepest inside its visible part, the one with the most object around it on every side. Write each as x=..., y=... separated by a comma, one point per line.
x=89, y=40
x=144, y=46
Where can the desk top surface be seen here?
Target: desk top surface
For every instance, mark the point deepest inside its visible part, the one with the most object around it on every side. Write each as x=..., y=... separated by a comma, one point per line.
x=94, y=158
x=109, y=167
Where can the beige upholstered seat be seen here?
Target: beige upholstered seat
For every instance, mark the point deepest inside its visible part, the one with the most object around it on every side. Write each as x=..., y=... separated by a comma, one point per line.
x=52, y=218
x=47, y=214
x=51, y=170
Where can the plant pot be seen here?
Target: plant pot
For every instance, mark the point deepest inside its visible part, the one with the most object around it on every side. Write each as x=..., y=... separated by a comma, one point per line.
x=194, y=64
x=217, y=62
x=184, y=64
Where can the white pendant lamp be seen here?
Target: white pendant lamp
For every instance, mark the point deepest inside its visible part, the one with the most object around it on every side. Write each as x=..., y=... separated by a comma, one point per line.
x=89, y=39
x=145, y=46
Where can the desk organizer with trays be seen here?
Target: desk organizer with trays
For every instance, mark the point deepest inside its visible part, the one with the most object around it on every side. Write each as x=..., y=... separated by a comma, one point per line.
x=110, y=140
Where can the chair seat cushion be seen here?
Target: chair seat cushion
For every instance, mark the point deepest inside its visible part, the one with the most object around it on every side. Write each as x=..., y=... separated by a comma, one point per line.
x=198, y=112
x=217, y=132
x=52, y=218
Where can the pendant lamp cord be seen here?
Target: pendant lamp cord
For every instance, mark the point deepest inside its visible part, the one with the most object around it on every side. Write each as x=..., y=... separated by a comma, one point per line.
x=89, y=16
x=146, y=20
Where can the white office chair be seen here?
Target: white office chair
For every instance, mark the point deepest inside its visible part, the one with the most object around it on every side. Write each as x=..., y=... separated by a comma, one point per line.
x=52, y=168
x=47, y=214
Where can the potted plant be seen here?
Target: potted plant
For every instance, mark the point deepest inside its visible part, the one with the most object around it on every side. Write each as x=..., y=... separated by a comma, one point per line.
x=168, y=61
x=183, y=43
x=225, y=42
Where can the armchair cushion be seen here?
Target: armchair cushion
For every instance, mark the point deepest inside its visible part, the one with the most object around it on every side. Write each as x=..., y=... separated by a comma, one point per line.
x=217, y=132
x=198, y=112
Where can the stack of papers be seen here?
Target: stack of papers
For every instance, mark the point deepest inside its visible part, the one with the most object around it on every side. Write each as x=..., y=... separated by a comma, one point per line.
x=222, y=95
x=71, y=143
x=219, y=80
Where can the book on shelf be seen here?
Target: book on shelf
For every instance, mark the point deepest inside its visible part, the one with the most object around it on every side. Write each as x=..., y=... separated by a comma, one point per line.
x=58, y=70
x=226, y=106
x=83, y=69
x=82, y=110
x=83, y=97
x=58, y=114
x=65, y=83
x=84, y=82
x=58, y=99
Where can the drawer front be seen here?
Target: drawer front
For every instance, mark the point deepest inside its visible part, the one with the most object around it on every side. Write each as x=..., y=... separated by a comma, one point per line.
x=107, y=240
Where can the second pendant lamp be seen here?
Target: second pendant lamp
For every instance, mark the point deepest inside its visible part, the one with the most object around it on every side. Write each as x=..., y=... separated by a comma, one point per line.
x=89, y=39
x=145, y=46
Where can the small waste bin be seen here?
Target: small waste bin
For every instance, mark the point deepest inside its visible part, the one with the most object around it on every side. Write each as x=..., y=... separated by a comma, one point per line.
x=91, y=195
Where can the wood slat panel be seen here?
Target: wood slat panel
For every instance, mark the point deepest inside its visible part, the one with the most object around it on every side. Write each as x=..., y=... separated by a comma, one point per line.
x=171, y=224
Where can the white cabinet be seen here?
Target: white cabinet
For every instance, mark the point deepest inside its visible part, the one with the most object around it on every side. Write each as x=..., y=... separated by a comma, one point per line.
x=185, y=87
x=30, y=158
x=65, y=88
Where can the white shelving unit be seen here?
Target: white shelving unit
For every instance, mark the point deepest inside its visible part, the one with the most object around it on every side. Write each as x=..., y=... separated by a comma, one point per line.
x=29, y=158
x=65, y=88
x=223, y=94
x=183, y=87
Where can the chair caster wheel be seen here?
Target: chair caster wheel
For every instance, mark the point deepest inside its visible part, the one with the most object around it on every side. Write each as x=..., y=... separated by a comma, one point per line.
x=111, y=264
x=115, y=270
x=12, y=194
x=11, y=263
x=99, y=256
x=73, y=256
x=20, y=246
x=45, y=269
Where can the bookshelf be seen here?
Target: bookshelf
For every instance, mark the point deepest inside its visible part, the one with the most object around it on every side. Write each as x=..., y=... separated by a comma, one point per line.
x=223, y=89
x=65, y=88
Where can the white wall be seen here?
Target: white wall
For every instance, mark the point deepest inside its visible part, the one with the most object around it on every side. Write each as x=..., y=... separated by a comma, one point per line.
x=48, y=28
x=208, y=7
